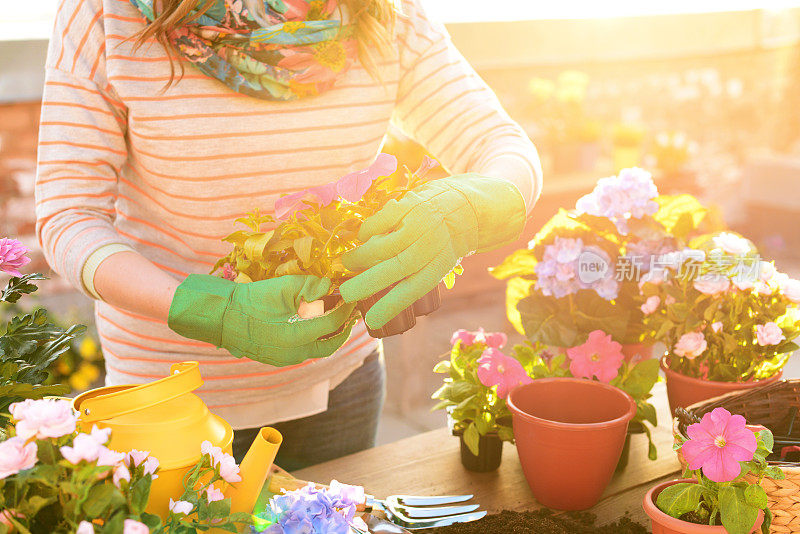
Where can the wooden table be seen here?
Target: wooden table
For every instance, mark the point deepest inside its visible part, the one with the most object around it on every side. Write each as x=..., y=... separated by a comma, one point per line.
x=429, y=464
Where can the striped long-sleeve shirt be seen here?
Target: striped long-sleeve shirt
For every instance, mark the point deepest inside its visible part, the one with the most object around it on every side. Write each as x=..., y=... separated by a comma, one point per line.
x=121, y=161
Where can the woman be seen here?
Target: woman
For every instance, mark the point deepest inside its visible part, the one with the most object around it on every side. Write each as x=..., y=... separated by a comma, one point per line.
x=161, y=126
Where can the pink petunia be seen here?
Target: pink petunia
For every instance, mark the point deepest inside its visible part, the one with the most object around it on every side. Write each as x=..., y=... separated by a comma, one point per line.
x=718, y=443
x=505, y=372
x=496, y=340
x=353, y=186
x=287, y=205
x=13, y=256
x=599, y=357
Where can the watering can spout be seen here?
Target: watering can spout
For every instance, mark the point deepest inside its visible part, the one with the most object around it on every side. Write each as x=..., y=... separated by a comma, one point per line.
x=254, y=470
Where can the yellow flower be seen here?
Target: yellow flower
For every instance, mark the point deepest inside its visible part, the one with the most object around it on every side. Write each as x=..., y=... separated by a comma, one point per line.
x=84, y=376
x=331, y=54
x=88, y=349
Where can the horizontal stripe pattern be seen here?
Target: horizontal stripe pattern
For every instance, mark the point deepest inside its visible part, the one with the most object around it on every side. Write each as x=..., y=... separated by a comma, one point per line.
x=124, y=158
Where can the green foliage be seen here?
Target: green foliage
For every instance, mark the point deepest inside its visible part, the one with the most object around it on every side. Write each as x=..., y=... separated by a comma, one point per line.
x=567, y=321
x=733, y=505
x=55, y=495
x=29, y=345
x=733, y=354
x=313, y=239
x=476, y=410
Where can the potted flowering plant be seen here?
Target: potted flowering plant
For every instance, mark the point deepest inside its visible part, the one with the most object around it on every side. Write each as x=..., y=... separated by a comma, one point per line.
x=311, y=230
x=601, y=359
x=727, y=318
x=720, y=492
x=581, y=271
x=30, y=343
x=55, y=479
x=479, y=378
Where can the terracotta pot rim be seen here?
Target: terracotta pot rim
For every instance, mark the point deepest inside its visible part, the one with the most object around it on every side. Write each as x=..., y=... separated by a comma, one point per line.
x=697, y=381
x=623, y=419
x=656, y=515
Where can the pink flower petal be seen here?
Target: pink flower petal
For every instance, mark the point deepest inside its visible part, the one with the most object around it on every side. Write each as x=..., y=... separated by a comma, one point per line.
x=353, y=186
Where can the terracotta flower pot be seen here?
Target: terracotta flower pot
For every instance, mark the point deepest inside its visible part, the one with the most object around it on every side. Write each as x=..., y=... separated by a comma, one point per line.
x=684, y=391
x=569, y=433
x=665, y=524
x=400, y=323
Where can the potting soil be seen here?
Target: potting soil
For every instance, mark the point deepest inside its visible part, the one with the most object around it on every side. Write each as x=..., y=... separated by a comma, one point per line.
x=541, y=522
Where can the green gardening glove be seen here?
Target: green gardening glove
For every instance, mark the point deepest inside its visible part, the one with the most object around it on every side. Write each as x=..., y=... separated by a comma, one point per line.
x=416, y=241
x=258, y=320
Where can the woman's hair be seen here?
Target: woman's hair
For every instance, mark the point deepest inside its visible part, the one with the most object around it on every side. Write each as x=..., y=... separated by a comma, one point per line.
x=372, y=20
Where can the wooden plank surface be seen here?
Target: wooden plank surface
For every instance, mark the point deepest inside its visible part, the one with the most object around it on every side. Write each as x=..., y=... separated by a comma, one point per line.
x=429, y=464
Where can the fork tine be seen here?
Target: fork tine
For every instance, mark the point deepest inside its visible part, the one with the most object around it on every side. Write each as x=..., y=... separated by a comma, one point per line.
x=433, y=523
x=418, y=500
x=435, y=512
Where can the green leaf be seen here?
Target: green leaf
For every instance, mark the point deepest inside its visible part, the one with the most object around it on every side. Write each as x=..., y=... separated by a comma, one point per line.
x=472, y=438
x=99, y=499
x=642, y=378
x=302, y=246
x=756, y=496
x=442, y=367
x=140, y=494
x=505, y=433
x=736, y=515
x=521, y=262
x=679, y=499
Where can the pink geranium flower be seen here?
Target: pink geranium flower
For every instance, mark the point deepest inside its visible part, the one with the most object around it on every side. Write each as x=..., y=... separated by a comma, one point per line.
x=214, y=494
x=712, y=285
x=718, y=443
x=12, y=256
x=651, y=304
x=599, y=357
x=180, y=507
x=505, y=372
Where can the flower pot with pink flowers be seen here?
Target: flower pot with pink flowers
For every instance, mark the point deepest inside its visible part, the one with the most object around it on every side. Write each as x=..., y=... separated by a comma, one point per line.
x=310, y=231
x=479, y=378
x=582, y=271
x=727, y=317
x=720, y=492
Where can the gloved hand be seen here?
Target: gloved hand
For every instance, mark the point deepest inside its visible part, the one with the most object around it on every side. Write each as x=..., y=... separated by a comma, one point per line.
x=417, y=240
x=258, y=320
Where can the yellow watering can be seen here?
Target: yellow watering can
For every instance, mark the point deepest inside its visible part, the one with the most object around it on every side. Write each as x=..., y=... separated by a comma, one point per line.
x=167, y=419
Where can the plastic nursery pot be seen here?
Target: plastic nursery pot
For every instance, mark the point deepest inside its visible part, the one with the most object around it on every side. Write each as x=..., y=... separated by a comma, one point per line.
x=633, y=428
x=428, y=303
x=569, y=433
x=490, y=454
x=402, y=322
x=665, y=524
x=683, y=391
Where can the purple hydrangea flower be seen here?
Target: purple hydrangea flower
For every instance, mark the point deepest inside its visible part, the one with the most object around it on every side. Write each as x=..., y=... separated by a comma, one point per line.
x=558, y=273
x=310, y=510
x=619, y=198
x=12, y=256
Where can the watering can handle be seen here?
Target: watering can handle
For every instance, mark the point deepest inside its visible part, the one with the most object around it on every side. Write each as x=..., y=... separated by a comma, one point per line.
x=184, y=378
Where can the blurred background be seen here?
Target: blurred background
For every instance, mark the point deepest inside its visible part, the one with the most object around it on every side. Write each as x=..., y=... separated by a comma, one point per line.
x=704, y=94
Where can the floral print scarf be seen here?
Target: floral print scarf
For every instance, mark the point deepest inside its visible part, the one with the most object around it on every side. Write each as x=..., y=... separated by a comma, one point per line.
x=300, y=48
